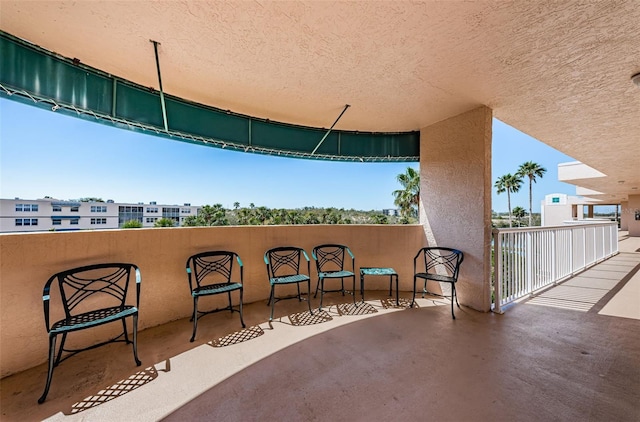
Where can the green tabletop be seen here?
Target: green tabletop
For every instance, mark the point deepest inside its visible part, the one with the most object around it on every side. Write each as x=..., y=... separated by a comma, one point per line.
x=377, y=271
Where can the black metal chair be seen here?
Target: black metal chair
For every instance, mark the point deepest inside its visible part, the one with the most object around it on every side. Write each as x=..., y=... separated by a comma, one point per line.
x=81, y=290
x=330, y=263
x=283, y=267
x=210, y=273
x=441, y=265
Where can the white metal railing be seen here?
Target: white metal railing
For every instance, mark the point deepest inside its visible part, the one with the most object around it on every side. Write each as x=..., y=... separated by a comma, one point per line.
x=528, y=259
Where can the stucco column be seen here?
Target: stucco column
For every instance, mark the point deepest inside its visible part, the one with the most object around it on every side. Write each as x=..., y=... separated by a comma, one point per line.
x=625, y=215
x=634, y=209
x=455, y=197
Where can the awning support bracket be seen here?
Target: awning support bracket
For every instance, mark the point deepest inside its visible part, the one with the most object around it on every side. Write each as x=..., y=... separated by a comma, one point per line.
x=164, y=107
x=330, y=129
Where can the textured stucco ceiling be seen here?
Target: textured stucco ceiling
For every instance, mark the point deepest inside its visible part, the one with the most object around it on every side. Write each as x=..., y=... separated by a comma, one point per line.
x=559, y=71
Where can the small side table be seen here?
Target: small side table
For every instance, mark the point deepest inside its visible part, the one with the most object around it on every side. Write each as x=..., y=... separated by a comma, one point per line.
x=379, y=271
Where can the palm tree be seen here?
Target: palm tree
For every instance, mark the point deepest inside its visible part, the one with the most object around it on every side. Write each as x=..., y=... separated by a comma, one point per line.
x=511, y=184
x=379, y=219
x=164, y=222
x=408, y=197
x=518, y=214
x=209, y=216
x=531, y=170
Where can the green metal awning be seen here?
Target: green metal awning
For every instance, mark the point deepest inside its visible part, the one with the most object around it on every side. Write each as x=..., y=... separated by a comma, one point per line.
x=33, y=75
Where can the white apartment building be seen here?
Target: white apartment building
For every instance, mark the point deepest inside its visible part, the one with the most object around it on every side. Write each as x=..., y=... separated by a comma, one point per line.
x=557, y=209
x=392, y=212
x=28, y=215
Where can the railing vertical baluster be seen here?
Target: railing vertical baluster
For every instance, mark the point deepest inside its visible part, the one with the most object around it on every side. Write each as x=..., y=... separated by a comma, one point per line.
x=572, y=251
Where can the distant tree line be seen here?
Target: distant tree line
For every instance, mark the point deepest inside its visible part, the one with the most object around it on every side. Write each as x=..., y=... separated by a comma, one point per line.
x=217, y=215
x=406, y=199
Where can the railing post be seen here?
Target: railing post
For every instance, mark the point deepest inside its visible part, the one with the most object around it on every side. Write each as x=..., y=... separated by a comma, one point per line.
x=529, y=258
x=497, y=272
x=584, y=247
x=554, y=258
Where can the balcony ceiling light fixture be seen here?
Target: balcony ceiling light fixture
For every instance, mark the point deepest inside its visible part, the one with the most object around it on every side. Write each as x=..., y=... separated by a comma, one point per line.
x=636, y=79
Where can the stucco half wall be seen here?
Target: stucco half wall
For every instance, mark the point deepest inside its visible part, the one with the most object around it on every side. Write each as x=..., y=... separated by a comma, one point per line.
x=28, y=260
x=455, y=197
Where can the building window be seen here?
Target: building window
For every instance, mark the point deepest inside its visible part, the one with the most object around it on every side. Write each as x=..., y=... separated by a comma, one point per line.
x=98, y=221
x=74, y=209
x=152, y=219
x=26, y=207
x=127, y=213
x=74, y=221
x=98, y=208
x=57, y=208
x=26, y=221
x=186, y=210
x=57, y=222
x=152, y=210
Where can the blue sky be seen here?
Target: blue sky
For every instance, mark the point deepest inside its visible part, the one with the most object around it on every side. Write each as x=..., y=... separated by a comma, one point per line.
x=46, y=153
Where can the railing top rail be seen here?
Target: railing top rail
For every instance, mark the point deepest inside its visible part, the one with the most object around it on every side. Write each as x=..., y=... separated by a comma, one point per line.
x=550, y=228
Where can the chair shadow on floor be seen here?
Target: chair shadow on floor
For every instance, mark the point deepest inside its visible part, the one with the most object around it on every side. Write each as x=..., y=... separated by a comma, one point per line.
x=307, y=318
x=119, y=389
x=237, y=337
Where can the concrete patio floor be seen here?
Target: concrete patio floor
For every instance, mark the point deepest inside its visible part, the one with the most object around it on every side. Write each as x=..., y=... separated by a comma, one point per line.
x=572, y=353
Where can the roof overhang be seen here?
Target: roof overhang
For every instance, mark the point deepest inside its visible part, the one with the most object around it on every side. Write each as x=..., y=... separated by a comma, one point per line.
x=558, y=71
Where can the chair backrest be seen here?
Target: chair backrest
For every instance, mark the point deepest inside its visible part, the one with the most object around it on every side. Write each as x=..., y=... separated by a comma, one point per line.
x=212, y=267
x=92, y=287
x=440, y=260
x=284, y=261
x=330, y=257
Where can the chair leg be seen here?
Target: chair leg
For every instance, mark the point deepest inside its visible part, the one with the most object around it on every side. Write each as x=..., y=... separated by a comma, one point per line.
x=413, y=300
x=52, y=348
x=453, y=296
x=270, y=297
x=230, y=304
x=342, y=284
x=309, y=290
x=194, y=318
x=60, y=349
x=241, y=318
x=135, y=339
x=273, y=301
x=124, y=330
x=354, y=289
x=424, y=289
x=397, y=291
x=315, y=295
x=299, y=296
x=321, y=293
